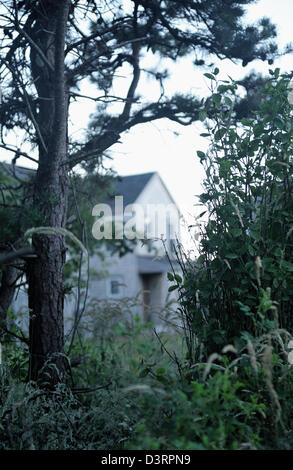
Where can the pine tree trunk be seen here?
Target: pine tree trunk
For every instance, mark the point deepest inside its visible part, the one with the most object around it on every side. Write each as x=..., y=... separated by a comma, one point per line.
x=45, y=273
x=46, y=292
x=7, y=289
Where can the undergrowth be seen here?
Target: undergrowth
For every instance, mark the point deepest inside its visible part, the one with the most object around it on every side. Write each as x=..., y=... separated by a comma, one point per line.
x=222, y=378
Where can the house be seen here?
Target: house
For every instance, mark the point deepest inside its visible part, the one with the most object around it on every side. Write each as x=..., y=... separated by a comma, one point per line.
x=144, y=204
x=141, y=215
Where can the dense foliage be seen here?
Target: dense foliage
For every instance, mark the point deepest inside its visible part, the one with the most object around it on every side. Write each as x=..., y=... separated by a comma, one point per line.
x=226, y=383
x=246, y=245
x=52, y=49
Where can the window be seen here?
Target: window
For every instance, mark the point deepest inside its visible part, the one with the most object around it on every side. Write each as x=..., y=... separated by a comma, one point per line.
x=115, y=286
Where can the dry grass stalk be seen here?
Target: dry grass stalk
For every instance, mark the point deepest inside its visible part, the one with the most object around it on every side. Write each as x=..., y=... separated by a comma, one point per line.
x=252, y=356
x=209, y=364
x=258, y=266
x=229, y=348
x=267, y=367
x=238, y=214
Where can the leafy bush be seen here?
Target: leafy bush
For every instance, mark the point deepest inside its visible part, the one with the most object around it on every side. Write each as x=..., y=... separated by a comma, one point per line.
x=246, y=245
x=231, y=385
x=230, y=404
x=236, y=298
x=91, y=411
x=31, y=418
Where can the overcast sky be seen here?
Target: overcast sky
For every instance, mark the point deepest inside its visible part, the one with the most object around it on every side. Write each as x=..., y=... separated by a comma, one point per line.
x=155, y=146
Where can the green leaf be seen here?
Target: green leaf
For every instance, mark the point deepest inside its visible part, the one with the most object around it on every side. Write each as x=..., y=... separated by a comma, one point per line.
x=217, y=98
x=288, y=265
x=178, y=278
x=171, y=288
x=228, y=101
x=277, y=73
x=160, y=371
x=255, y=235
x=258, y=129
x=143, y=373
x=210, y=76
x=232, y=256
x=236, y=232
x=223, y=88
x=202, y=115
x=246, y=122
x=201, y=155
x=219, y=134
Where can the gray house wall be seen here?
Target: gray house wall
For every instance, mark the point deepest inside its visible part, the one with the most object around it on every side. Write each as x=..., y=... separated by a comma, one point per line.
x=143, y=273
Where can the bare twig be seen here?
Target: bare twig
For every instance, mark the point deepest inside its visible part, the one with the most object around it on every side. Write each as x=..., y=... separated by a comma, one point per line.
x=38, y=131
x=35, y=46
x=89, y=390
x=21, y=338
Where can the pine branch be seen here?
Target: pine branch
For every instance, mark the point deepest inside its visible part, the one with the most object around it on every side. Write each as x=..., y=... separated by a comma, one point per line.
x=12, y=255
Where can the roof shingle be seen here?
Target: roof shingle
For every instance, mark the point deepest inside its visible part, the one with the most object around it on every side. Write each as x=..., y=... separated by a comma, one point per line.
x=130, y=186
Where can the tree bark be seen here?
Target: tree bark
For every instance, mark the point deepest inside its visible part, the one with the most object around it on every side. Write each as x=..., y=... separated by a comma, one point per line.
x=45, y=272
x=7, y=289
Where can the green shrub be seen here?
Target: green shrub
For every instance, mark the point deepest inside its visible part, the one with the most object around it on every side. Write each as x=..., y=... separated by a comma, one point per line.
x=236, y=400
x=231, y=384
x=238, y=292
x=31, y=418
x=245, y=252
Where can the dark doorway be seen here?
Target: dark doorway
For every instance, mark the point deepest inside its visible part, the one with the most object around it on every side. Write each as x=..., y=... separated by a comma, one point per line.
x=151, y=288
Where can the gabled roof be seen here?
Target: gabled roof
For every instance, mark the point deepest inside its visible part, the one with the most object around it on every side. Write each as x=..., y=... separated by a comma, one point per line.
x=18, y=171
x=131, y=186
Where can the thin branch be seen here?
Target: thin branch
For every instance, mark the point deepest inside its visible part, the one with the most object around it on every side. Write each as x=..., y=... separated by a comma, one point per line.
x=22, y=252
x=107, y=139
x=17, y=151
x=80, y=311
x=38, y=131
x=125, y=43
x=18, y=40
x=89, y=390
x=20, y=338
x=81, y=41
x=103, y=98
x=35, y=46
x=133, y=86
x=96, y=34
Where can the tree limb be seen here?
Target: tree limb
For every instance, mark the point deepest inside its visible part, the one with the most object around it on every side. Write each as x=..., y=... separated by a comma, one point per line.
x=22, y=252
x=17, y=151
x=35, y=46
x=136, y=74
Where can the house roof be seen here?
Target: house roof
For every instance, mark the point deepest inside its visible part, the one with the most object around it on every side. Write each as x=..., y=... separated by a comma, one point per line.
x=147, y=265
x=18, y=171
x=131, y=186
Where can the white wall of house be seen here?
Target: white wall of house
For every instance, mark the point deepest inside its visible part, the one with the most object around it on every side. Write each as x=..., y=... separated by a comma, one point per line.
x=155, y=194
x=125, y=271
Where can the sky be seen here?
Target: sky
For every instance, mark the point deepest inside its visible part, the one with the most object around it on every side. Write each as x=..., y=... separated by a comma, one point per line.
x=170, y=148
x=155, y=147
x=167, y=147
